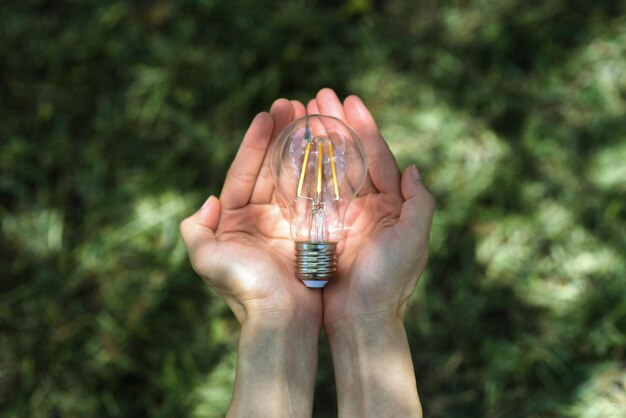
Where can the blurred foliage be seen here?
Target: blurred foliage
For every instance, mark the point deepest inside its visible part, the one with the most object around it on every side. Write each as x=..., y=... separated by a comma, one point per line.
x=117, y=118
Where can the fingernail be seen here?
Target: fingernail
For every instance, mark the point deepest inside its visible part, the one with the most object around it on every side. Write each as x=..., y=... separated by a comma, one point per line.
x=415, y=172
x=206, y=202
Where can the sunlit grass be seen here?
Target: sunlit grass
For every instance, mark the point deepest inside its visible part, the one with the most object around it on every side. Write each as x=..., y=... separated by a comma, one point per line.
x=608, y=168
x=603, y=395
x=39, y=231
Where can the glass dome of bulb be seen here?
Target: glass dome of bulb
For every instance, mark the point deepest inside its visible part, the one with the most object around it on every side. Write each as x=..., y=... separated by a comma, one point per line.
x=318, y=165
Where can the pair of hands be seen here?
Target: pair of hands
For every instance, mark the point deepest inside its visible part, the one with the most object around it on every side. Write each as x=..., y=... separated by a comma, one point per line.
x=241, y=246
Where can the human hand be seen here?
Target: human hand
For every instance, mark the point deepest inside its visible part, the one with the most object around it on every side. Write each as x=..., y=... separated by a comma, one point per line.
x=388, y=226
x=240, y=243
x=380, y=259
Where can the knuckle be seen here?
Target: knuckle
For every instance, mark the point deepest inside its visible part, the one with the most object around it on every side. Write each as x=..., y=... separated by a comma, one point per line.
x=265, y=172
x=183, y=227
x=242, y=176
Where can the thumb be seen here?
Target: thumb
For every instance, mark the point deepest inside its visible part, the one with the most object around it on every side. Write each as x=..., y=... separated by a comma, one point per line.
x=419, y=204
x=209, y=214
x=198, y=232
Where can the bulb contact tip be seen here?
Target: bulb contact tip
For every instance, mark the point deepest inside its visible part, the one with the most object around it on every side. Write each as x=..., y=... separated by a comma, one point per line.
x=316, y=263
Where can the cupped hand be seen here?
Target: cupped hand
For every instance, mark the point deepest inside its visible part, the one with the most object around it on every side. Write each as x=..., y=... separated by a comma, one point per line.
x=387, y=226
x=240, y=243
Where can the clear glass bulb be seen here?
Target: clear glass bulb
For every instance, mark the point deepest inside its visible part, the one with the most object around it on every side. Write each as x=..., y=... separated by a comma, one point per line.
x=318, y=165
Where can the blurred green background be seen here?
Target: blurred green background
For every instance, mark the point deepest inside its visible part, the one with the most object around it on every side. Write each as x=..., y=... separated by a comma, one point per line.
x=117, y=119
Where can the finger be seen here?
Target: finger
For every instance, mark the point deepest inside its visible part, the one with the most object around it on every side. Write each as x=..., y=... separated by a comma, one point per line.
x=298, y=109
x=244, y=170
x=311, y=108
x=282, y=112
x=368, y=186
x=198, y=232
x=382, y=164
x=329, y=104
x=418, y=207
x=209, y=214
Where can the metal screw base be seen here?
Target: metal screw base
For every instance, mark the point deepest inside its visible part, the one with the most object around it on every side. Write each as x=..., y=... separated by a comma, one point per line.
x=316, y=262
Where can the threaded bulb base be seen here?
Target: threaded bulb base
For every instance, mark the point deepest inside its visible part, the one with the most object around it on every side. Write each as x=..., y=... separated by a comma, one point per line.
x=316, y=263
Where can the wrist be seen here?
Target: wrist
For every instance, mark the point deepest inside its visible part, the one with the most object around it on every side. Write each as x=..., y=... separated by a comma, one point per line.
x=279, y=318
x=371, y=352
x=355, y=324
x=276, y=363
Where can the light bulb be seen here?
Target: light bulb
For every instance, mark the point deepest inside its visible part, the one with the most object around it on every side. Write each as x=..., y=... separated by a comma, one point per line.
x=318, y=165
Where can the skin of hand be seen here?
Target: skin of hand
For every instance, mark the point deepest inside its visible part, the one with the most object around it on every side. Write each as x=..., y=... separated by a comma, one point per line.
x=385, y=248
x=382, y=255
x=240, y=243
x=241, y=246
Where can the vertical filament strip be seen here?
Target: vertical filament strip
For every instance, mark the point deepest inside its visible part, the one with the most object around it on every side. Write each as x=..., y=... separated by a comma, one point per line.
x=305, y=162
x=332, y=167
x=319, y=171
x=320, y=156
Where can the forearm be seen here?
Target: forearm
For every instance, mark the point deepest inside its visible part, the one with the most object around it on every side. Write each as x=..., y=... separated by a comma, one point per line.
x=373, y=368
x=276, y=364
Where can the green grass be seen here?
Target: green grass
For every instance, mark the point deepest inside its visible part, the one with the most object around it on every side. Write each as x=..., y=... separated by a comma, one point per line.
x=118, y=118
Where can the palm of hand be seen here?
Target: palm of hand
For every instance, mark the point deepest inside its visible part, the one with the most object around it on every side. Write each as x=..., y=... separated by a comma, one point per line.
x=245, y=252
x=385, y=248
x=371, y=257
x=257, y=250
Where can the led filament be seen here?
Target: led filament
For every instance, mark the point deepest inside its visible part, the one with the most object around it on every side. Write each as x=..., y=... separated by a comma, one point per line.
x=319, y=173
